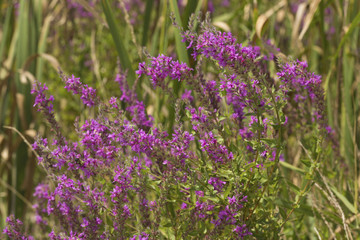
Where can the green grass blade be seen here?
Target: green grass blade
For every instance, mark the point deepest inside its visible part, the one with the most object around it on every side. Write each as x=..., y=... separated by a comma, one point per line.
x=22, y=48
x=292, y=167
x=42, y=46
x=154, y=42
x=122, y=52
x=351, y=29
x=26, y=37
x=189, y=9
x=344, y=200
x=5, y=31
x=180, y=45
x=21, y=53
x=163, y=44
x=147, y=18
x=182, y=55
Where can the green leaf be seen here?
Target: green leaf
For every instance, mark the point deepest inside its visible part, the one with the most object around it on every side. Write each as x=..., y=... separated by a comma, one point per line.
x=167, y=232
x=183, y=57
x=271, y=142
x=293, y=187
x=283, y=203
x=122, y=52
x=189, y=9
x=148, y=8
x=180, y=45
x=5, y=31
x=42, y=46
x=305, y=209
x=171, y=210
x=169, y=224
x=193, y=196
x=227, y=191
x=345, y=201
x=350, y=30
x=291, y=167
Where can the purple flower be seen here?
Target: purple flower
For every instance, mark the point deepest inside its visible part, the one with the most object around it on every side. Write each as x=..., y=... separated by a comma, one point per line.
x=142, y=236
x=41, y=100
x=187, y=96
x=127, y=94
x=223, y=48
x=306, y=88
x=216, y=183
x=162, y=67
x=88, y=94
x=199, y=193
x=14, y=229
x=242, y=231
x=217, y=152
x=139, y=116
x=113, y=103
x=136, y=108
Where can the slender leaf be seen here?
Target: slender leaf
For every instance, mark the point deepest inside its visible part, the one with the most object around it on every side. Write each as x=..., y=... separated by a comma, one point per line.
x=122, y=51
x=180, y=45
x=291, y=167
x=354, y=24
x=5, y=31
x=42, y=46
x=147, y=18
x=189, y=9
x=344, y=200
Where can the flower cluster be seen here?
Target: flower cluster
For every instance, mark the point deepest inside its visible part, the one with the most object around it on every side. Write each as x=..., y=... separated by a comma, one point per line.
x=162, y=67
x=44, y=104
x=217, y=152
x=88, y=94
x=222, y=47
x=227, y=216
x=123, y=177
x=301, y=88
x=135, y=108
x=14, y=229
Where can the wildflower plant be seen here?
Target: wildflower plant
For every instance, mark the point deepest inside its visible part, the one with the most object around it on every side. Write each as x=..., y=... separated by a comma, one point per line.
x=216, y=176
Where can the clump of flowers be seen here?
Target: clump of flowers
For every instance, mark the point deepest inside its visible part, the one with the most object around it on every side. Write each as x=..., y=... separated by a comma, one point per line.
x=14, y=229
x=213, y=177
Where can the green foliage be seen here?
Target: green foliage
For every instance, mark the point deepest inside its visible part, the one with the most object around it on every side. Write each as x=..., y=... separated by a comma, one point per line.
x=318, y=188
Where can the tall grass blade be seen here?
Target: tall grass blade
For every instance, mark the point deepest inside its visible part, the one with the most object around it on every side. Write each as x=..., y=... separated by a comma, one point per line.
x=147, y=18
x=5, y=32
x=343, y=199
x=180, y=45
x=189, y=9
x=122, y=51
x=26, y=38
x=16, y=206
x=354, y=24
x=42, y=46
x=164, y=29
x=182, y=54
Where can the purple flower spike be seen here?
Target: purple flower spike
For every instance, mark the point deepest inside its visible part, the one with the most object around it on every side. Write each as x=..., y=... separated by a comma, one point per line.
x=162, y=67
x=14, y=229
x=88, y=94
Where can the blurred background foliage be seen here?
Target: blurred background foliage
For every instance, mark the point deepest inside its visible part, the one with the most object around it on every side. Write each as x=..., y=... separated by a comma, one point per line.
x=94, y=39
